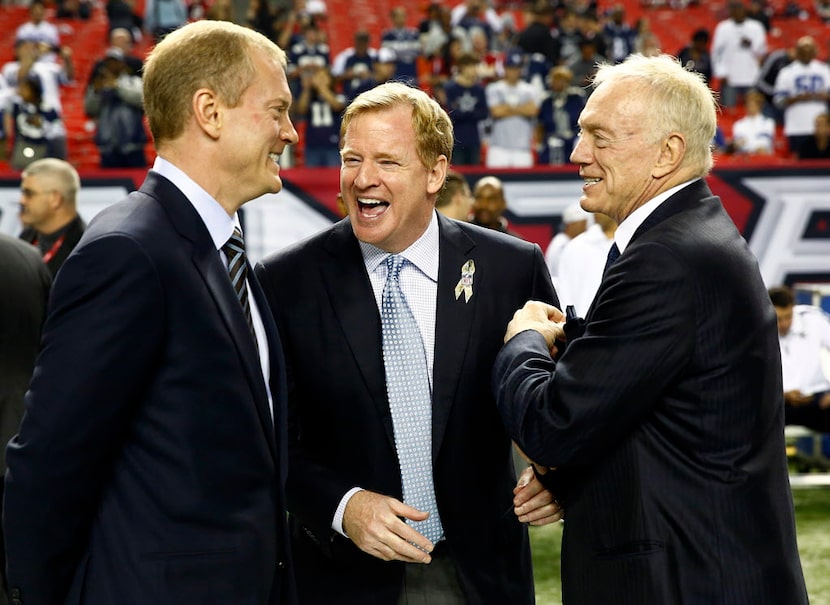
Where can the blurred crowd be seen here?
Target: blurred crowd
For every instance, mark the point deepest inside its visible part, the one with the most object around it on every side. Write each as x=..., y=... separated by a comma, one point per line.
x=514, y=87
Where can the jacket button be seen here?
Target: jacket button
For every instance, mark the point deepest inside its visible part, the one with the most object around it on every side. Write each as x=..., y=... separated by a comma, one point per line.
x=280, y=564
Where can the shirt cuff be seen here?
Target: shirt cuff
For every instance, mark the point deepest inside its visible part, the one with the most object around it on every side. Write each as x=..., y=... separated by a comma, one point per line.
x=337, y=522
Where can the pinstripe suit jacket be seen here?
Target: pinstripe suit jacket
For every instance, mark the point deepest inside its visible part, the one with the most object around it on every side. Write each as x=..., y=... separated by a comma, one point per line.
x=665, y=420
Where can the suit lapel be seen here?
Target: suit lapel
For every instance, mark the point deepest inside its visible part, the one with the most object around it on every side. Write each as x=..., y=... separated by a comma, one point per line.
x=208, y=264
x=353, y=302
x=453, y=322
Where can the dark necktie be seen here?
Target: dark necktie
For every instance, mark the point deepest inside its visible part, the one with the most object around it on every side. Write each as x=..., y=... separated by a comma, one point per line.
x=234, y=249
x=613, y=255
x=410, y=400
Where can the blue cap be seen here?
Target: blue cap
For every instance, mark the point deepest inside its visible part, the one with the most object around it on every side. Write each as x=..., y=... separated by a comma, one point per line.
x=514, y=59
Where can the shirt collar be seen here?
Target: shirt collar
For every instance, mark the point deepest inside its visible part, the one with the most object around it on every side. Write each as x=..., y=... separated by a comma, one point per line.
x=216, y=219
x=627, y=228
x=422, y=253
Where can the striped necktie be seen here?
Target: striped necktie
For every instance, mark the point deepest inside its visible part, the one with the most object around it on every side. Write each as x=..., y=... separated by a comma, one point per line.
x=234, y=249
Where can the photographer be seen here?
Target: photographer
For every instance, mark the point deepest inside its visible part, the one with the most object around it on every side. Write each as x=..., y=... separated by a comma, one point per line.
x=114, y=98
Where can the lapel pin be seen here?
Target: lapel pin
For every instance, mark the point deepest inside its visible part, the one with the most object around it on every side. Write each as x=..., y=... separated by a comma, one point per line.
x=465, y=284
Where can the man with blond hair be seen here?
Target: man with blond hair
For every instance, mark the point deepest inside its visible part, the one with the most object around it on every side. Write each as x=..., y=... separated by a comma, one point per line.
x=662, y=421
x=150, y=464
x=401, y=484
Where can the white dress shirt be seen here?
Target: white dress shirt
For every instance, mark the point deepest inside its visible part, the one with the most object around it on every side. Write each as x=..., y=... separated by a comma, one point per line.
x=419, y=284
x=220, y=225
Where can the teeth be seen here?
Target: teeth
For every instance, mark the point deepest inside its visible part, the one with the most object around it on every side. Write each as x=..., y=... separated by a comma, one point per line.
x=591, y=181
x=368, y=202
x=275, y=157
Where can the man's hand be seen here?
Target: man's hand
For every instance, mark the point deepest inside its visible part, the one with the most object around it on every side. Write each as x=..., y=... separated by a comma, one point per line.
x=374, y=523
x=796, y=398
x=544, y=318
x=533, y=503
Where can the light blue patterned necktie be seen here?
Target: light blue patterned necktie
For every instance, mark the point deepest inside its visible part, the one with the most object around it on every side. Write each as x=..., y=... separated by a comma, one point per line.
x=410, y=400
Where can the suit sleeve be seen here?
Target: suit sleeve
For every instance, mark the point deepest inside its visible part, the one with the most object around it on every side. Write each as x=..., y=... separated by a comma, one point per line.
x=640, y=331
x=101, y=341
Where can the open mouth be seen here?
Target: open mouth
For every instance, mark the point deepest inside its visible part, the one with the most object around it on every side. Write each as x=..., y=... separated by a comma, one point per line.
x=371, y=208
x=275, y=157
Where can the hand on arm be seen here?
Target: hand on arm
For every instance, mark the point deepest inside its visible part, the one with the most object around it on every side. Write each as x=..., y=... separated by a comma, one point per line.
x=544, y=318
x=797, y=398
x=533, y=503
x=374, y=522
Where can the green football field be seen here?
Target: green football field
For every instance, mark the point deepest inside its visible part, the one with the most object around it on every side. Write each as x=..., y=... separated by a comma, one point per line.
x=812, y=517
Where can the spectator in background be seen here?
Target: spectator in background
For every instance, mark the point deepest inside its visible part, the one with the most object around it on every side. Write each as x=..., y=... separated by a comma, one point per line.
x=51, y=75
x=568, y=35
x=822, y=8
x=804, y=336
x=574, y=221
x=538, y=36
x=319, y=105
x=114, y=99
x=755, y=132
x=308, y=53
x=584, y=65
x=513, y=105
x=695, y=55
x=434, y=31
x=466, y=103
x=582, y=262
x=122, y=14
x=818, y=146
x=163, y=16
x=121, y=39
x=802, y=90
x=620, y=37
x=557, y=126
x=489, y=205
x=405, y=43
x=738, y=45
x=455, y=200
x=48, y=210
x=74, y=9
x=35, y=129
x=472, y=15
x=771, y=66
x=354, y=64
x=37, y=29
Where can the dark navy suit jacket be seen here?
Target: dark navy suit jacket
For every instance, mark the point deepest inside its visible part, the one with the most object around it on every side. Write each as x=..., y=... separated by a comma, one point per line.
x=147, y=468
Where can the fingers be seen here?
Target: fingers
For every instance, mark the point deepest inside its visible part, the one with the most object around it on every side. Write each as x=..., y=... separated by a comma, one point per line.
x=374, y=523
x=533, y=503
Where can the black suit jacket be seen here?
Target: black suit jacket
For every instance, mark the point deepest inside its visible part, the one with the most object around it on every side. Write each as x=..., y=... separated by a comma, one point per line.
x=147, y=469
x=25, y=288
x=73, y=234
x=665, y=419
x=340, y=429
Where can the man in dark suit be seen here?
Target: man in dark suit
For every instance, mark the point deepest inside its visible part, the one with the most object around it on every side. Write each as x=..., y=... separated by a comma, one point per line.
x=150, y=464
x=663, y=416
x=26, y=282
x=359, y=534
x=48, y=192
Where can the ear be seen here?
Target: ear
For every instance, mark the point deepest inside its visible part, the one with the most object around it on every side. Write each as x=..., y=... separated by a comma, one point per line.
x=207, y=110
x=672, y=152
x=435, y=179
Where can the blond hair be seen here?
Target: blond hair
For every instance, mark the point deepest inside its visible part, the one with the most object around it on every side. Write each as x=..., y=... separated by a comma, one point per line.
x=431, y=124
x=203, y=54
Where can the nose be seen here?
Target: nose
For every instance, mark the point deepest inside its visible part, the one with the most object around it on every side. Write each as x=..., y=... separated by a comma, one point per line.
x=366, y=175
x=580, y=154
x=288, y=133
